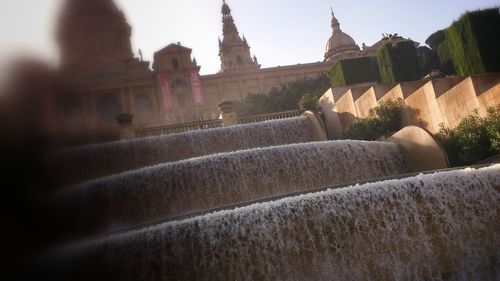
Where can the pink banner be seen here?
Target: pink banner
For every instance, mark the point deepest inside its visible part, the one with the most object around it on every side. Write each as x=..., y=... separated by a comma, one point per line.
x=196, y=87
x=165, y=90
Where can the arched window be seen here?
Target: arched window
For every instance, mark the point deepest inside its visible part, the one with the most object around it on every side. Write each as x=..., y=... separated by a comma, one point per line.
x=178, y=85
x=143, y=108
x=108, y=108
x=175, y=63
x=238, y=60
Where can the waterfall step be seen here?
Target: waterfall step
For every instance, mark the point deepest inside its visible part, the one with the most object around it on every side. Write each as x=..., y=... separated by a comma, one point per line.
x=178, y=188
x=229, y=207
x=425, y=226
x=77, y=164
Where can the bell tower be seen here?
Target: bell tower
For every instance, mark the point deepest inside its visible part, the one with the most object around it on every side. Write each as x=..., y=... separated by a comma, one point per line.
x=234, y=51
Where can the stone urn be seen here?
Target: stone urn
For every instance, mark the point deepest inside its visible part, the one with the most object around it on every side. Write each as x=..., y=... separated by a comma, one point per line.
x=227, y=113
x=225, y=106
x=126, y=128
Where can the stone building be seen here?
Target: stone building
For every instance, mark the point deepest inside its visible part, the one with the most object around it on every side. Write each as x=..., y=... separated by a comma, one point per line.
x=100, y=78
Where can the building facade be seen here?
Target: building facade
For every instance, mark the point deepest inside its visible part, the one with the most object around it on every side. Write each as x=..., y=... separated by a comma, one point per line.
x=100, y=78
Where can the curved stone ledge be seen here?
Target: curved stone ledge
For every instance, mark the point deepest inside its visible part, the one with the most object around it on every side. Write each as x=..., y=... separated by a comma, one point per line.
x=421, y=149
x=317, y=125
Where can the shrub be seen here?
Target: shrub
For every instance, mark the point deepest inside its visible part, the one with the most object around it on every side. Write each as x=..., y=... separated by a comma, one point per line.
x=474, y=139
x=354, y=71
x=398, y=62
x=383, y=120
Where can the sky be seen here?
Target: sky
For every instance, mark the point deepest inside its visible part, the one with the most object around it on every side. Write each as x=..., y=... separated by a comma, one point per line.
x=280, y=32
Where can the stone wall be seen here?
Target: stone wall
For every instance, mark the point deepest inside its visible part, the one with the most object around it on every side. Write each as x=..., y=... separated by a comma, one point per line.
x=236, y=86
x=139, y=94
x=439, y=101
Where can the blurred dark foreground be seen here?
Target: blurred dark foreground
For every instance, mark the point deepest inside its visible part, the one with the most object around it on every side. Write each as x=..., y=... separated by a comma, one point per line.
x=26, y=129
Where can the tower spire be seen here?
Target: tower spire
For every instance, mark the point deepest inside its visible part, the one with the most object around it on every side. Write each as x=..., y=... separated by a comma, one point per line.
x=228, y=25
x=234, y=51
x=335, y=22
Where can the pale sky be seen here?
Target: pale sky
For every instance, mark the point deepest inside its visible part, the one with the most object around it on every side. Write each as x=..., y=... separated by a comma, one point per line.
x=280, y=32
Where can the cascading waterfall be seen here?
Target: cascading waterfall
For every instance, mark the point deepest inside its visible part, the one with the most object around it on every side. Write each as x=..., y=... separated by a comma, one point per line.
x=441, y=226
x=92, y=161
x=182, y=187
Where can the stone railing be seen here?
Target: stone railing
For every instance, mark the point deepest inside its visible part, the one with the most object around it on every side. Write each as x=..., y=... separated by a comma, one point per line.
x=178, y=128
x=269, y=116
x=172, y=129
x=215, y=123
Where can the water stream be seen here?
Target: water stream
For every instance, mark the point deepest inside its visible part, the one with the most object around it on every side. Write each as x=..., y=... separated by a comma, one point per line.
x=182, y=187
x=441, y=226
x=72, y=165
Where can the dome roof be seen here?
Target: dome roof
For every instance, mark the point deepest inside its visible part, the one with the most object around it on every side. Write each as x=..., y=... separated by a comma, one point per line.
x=86, y=8
x=87, y=23
x=340, y=41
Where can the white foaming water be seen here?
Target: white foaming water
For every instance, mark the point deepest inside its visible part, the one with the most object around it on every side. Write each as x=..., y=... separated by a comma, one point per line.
x=92, y=161
x=442, y=226
x=198, y=184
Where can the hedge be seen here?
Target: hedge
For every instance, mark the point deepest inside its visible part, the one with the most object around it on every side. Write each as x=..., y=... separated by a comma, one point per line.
x=445, y=59
x=474, y=40
x=398, y=62
x=427, y=59
x=354, y=71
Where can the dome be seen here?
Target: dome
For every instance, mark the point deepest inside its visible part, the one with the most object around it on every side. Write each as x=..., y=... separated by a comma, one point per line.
x=74, y=9
x=340, y=44
x=98, y=14
x=340, y=41
x=93, y=29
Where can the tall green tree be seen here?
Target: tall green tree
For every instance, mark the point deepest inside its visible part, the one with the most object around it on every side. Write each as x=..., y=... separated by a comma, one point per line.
x=286, y=97
x=427, y=59
x=435, y=39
